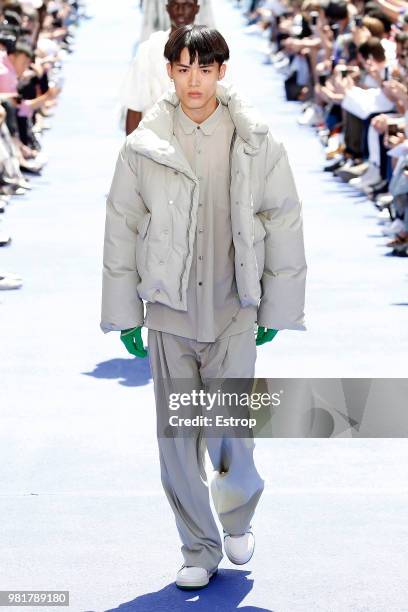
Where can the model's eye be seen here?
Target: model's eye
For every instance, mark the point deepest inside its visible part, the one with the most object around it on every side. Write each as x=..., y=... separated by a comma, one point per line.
x=182, y=69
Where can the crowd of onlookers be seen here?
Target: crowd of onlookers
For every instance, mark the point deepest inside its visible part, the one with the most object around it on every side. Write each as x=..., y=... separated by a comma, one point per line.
x=35, y=35
x=347, y=65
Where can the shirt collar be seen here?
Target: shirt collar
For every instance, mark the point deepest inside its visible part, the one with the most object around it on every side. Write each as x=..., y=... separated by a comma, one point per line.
x=207, y=127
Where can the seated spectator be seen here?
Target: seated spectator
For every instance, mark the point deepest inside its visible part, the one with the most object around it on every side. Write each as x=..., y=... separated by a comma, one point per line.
x=349, y=62
x=34, y=36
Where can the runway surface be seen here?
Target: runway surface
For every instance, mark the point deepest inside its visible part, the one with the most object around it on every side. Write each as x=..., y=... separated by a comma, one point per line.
x=81, y=503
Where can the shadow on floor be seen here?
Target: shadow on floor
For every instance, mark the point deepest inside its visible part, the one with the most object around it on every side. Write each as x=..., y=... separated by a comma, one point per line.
x=133, y=372
x=224, y=594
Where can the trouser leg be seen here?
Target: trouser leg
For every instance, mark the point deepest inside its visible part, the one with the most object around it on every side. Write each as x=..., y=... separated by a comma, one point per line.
x=182, y=467
x=236, y=485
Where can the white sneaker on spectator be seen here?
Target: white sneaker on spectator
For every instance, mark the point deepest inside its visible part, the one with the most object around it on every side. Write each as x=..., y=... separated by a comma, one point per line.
x=311, y=116
x=370, y=177
x=383, y=216
x=394, y=228
x=282, y=66
x=278, y=57
x=193, y=577
x=384, y=200
x=5, y=239
x=253, y=29
x=7, y=281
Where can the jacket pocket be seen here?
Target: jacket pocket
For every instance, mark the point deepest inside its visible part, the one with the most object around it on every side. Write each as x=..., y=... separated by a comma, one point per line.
x=259, y=245
x=142, y=239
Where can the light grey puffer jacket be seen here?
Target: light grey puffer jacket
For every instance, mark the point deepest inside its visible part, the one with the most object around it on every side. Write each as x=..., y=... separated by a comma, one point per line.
x=151, y=218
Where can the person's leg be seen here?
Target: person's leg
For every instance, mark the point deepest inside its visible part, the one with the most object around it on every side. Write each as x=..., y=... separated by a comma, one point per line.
x=173, y=362
x=236, y=485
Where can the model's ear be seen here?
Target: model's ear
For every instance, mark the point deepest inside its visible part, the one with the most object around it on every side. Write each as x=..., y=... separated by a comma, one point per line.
x=169, y=70
x=223, y=69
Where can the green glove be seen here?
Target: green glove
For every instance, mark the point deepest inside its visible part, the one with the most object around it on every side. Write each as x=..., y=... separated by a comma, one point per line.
x=132, y=339
x=265, y=335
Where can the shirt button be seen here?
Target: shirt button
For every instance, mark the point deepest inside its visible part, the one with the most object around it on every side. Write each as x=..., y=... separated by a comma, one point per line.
x=198, y=151
x=239, y=233
x=175, y=172
x=200, y=231
x=200, y=204
x=237, y=203
x=198, y=127
x=200, y=257
x=200, y=283
x=242, y=264
x=171, y=202
x=161, y=263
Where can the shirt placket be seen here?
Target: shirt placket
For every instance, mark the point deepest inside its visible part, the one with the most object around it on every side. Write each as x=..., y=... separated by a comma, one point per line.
x=200, y=288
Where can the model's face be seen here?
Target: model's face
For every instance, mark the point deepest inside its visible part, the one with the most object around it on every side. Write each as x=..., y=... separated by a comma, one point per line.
x=182, y=12
x=195, y=85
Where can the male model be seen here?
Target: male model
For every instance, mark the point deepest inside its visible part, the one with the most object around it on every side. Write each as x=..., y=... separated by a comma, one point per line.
x=156, y=17
x=147, y=78
x=204, y=223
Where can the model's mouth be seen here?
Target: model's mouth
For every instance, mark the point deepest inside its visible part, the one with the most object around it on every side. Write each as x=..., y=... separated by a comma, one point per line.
x=195, y=94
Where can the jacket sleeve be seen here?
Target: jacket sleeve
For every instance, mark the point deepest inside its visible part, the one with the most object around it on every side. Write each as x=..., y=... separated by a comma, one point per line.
x=284, y=276
x=122, y=308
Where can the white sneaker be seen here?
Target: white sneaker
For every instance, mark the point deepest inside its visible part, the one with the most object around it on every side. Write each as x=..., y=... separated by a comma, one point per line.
x=189, y=577
x=10, y=281
x=394, y=228
x=311, y=116
x=239, y=549
x=370, y=177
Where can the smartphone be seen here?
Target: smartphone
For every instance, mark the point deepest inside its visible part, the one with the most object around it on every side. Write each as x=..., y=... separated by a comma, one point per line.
x=358, y=21
x=335, y=29
x=344, y=72
x=314, y=16
x=392, y=129
x=386, y=73
x=322, y=79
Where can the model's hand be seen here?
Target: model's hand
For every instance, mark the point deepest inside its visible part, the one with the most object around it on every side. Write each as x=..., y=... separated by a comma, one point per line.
x=132, y=339
x=265, y=335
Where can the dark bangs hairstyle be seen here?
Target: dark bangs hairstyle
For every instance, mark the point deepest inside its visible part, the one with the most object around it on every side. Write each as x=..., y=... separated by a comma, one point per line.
x=205, y=43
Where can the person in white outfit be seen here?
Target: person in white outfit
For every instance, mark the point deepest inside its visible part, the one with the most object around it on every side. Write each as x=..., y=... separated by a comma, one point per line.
x=147, y=78
x=156, y=17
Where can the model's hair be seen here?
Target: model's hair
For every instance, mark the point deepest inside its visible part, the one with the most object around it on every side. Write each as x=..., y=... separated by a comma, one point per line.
x=206, y=43
x=372, y=47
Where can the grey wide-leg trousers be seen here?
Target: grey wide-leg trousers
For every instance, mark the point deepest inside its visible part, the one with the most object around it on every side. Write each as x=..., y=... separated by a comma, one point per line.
x=236, y=485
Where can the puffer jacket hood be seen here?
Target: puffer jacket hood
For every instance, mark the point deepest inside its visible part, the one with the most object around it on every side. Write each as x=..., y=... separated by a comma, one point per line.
x=151, y=220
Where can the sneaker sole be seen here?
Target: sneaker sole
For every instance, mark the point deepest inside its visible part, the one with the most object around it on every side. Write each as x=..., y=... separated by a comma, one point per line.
x=196, y=588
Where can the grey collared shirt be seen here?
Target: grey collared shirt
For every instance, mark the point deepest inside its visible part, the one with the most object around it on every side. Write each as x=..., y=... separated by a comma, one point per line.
x=214, y=310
